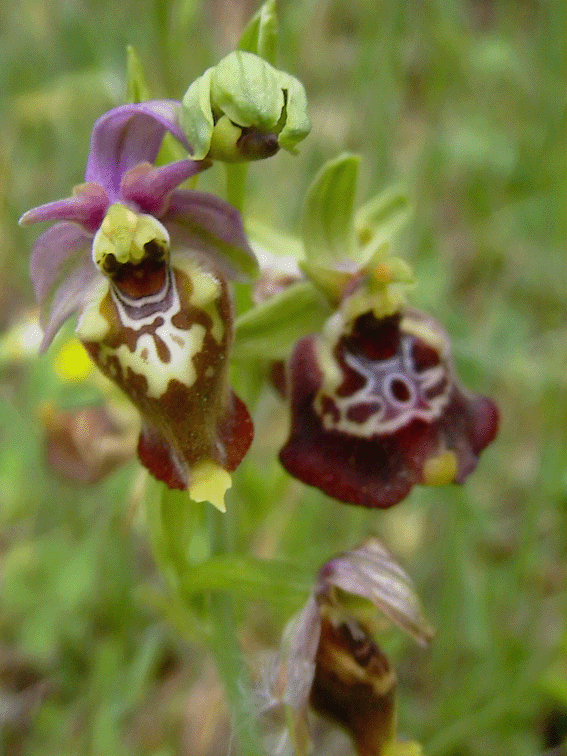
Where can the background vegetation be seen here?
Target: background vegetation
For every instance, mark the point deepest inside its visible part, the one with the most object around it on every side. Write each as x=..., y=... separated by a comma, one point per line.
x=465, y=102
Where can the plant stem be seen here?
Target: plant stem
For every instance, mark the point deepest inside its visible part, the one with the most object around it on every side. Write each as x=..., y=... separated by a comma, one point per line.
x=236, y=184
x=224, y=641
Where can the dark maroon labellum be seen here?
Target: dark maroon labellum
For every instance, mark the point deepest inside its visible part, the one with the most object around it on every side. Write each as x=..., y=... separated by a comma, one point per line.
x=381, y=411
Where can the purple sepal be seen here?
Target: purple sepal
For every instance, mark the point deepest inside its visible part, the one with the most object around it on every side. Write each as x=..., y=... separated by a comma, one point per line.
x=150, y=188
x=53, y=253
x=128, y=135
x=69, y=298
x=86, y=207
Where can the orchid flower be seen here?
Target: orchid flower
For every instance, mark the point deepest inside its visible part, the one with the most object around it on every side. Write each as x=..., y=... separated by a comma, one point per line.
x=144, y=265
x=376, y=407
x=328, y=659
x=375, y=402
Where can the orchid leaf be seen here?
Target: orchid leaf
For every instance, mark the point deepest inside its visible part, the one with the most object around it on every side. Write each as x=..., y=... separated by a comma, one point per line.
x=269, y=330
x=259, y=578
x=328, y=213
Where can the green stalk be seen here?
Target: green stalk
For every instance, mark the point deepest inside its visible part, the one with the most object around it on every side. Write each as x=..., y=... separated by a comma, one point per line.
x=236, y=184
x=224, y=640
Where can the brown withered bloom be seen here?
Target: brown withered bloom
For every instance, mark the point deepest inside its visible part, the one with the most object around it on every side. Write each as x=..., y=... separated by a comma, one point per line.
x=86, y=444
x=330, y=662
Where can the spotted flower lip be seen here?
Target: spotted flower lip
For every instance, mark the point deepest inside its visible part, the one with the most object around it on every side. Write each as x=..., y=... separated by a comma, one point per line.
x=144, y=266
x=376, y=408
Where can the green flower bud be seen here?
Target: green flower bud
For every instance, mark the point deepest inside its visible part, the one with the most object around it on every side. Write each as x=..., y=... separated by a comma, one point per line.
x=244, y=109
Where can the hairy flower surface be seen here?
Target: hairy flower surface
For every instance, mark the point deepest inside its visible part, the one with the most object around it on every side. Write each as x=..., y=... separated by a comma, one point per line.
x=143, y=264
x=376, y=408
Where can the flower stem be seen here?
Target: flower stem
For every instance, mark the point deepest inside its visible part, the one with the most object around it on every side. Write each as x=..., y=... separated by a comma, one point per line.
x=236, y=184
x=224, y=641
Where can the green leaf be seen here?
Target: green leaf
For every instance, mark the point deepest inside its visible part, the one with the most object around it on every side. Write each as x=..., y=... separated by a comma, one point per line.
x=328, y=213
x=261, y=34
x=379, y=220
x=137, y=89
x=269, y=330
x=259, y=578
x=171, y=607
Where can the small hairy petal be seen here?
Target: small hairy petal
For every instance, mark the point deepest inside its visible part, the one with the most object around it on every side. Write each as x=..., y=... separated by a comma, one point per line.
x=53, y=252
x=204, y=223
x=150, y=187
x=86, y=207
x=126, y=136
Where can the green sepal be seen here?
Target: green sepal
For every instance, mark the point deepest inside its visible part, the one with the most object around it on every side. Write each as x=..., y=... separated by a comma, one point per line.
x=196, y=115
x=328, y=213
x=137, y=89
x=247, y=89
x=296, y=123
x=269, y=330
x=330, y=281
x=261, y=34
x=378, y=221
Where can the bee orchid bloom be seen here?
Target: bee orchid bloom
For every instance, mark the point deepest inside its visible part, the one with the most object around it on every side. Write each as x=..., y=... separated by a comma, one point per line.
x=143, y=264
x=376, y=408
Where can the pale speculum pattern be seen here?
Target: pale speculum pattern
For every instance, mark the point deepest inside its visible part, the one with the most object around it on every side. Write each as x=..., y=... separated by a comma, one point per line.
x=390, y=377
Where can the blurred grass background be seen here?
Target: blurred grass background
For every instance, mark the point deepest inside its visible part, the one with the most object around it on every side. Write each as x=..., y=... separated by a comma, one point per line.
x=465, y=102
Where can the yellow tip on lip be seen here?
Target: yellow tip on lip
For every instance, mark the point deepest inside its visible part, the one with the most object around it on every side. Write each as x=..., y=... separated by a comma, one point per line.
x=440, y=470
x=210, y=483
